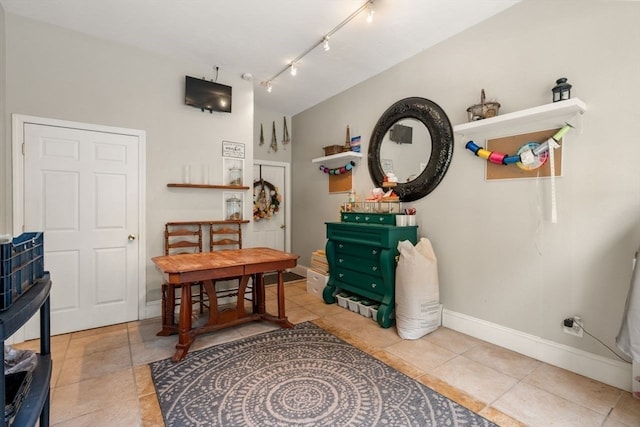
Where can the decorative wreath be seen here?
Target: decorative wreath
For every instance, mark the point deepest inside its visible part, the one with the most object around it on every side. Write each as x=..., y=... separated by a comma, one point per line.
x=266, y=200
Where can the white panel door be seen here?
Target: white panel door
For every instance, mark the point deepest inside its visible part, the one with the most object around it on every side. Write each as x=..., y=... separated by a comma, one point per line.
x=81, y=189
x=270, y=233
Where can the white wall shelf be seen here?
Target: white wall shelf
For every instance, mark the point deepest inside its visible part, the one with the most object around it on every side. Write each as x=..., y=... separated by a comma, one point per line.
x=536, y=118
x=219, y=187
x=338, y=160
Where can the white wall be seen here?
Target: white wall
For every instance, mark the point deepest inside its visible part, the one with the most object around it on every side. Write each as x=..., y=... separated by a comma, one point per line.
x=55, y=73
x=5, y=149
x=500, y=259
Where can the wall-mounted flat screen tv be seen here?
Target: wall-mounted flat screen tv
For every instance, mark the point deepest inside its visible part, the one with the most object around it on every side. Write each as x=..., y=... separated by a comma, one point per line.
x=401, y=134
x=207, y=95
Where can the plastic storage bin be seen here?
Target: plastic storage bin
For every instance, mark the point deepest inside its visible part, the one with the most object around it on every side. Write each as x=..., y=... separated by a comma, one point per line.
x=364, y=307
x=354, y=302
x=316, y=283
x=21, y=264
x=343, y=299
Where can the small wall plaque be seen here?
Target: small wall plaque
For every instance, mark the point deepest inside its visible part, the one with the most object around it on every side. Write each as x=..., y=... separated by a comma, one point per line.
x=233, y=149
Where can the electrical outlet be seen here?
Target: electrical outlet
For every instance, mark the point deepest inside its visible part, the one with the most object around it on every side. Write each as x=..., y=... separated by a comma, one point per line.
x=576, y=329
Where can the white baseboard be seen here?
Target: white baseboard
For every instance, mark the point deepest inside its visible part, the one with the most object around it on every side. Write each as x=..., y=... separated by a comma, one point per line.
x=152, y=309
x=300, y=270
x=599, y=368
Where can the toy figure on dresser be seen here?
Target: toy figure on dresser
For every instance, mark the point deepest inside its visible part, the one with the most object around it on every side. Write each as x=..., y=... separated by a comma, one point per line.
x=379, y=195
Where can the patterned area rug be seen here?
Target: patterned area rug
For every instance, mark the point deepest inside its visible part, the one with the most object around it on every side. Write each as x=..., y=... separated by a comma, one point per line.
x=297, y=377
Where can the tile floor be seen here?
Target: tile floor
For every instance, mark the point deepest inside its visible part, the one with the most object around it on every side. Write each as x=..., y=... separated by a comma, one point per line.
x=101, y=377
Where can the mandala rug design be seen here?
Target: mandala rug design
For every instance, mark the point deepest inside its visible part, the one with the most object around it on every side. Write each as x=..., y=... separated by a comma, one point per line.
x=297, y=377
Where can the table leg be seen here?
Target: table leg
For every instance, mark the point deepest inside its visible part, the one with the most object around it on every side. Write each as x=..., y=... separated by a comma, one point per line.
x=168, y=303
x=242, y=288
x=254, y=298
x=258, y=294
x=184, y=324
x=282, y=317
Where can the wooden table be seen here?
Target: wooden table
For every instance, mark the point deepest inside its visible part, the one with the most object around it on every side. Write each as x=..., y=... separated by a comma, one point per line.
x=207, y=267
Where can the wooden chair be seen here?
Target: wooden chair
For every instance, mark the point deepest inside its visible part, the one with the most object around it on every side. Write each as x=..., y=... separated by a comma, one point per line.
x=225, y=234
x=179, y=238
x=228, y=235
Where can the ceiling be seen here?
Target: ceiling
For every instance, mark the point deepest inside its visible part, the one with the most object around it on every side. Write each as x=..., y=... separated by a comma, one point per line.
x=261, y=37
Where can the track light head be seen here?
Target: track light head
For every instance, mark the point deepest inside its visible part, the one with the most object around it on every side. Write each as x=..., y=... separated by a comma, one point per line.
x=267, y=84
x=325, y=44
x=294, y=69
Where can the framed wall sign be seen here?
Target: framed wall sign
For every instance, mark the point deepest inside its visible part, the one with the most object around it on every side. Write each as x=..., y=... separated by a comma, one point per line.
x=233, y=149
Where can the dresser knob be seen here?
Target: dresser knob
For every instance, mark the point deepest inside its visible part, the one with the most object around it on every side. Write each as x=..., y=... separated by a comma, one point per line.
x=340, y=260
x=366, y=218
x=374, y=268
x=340, y=275
x=357, y=218
x=374, y=252
x=373, y=285
x=341, y=246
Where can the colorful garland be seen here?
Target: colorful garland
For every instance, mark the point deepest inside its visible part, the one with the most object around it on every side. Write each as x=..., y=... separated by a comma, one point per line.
x=267, y=202
x=530, y=156
x=337, y=171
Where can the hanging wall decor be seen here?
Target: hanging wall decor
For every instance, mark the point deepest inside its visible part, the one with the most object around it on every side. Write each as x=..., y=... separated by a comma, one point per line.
x=285, y=133
x=337, y=171
x=261, y=135
x=530, y=154
x=266, y=200
x=274, y=139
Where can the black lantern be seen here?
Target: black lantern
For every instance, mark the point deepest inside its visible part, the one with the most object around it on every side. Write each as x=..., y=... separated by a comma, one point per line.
x=562, y=90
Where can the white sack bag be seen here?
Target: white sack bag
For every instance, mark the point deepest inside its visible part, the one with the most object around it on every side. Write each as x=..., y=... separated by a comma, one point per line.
x=417, y=290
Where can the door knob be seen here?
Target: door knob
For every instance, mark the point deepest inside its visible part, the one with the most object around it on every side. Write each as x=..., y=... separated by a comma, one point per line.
x=132, y=237
x=282, y=226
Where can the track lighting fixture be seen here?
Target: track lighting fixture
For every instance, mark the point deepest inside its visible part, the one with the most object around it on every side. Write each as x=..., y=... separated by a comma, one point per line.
x=266, y=84
x=324, y=41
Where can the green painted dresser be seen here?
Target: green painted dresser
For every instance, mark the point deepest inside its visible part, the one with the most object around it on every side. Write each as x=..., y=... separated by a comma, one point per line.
x=361, y=252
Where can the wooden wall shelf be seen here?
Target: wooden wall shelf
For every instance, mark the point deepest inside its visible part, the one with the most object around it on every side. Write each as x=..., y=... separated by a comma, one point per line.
x=219, y=187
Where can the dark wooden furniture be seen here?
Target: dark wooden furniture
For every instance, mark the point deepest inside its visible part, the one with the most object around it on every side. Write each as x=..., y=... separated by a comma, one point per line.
x=223, y=235
x=208, y=267
x=182, y=238
x=361, y=252
x=187, y=237
x=36, y=403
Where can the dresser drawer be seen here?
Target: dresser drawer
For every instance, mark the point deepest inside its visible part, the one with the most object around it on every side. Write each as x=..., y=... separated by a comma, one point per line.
x=345, y=249
x=364, y=265
x=361, y=234
x=369, y=218
x=383, y=236
x=361, y=284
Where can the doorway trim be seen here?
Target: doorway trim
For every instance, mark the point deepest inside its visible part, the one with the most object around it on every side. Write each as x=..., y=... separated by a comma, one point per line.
x=18, y=121
x=287, y=197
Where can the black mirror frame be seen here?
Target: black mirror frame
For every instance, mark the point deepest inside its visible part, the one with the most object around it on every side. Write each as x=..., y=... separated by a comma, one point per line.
x=441, y=131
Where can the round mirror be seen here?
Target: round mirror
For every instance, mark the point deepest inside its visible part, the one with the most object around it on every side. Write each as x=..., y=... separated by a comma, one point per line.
x=413, y=139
